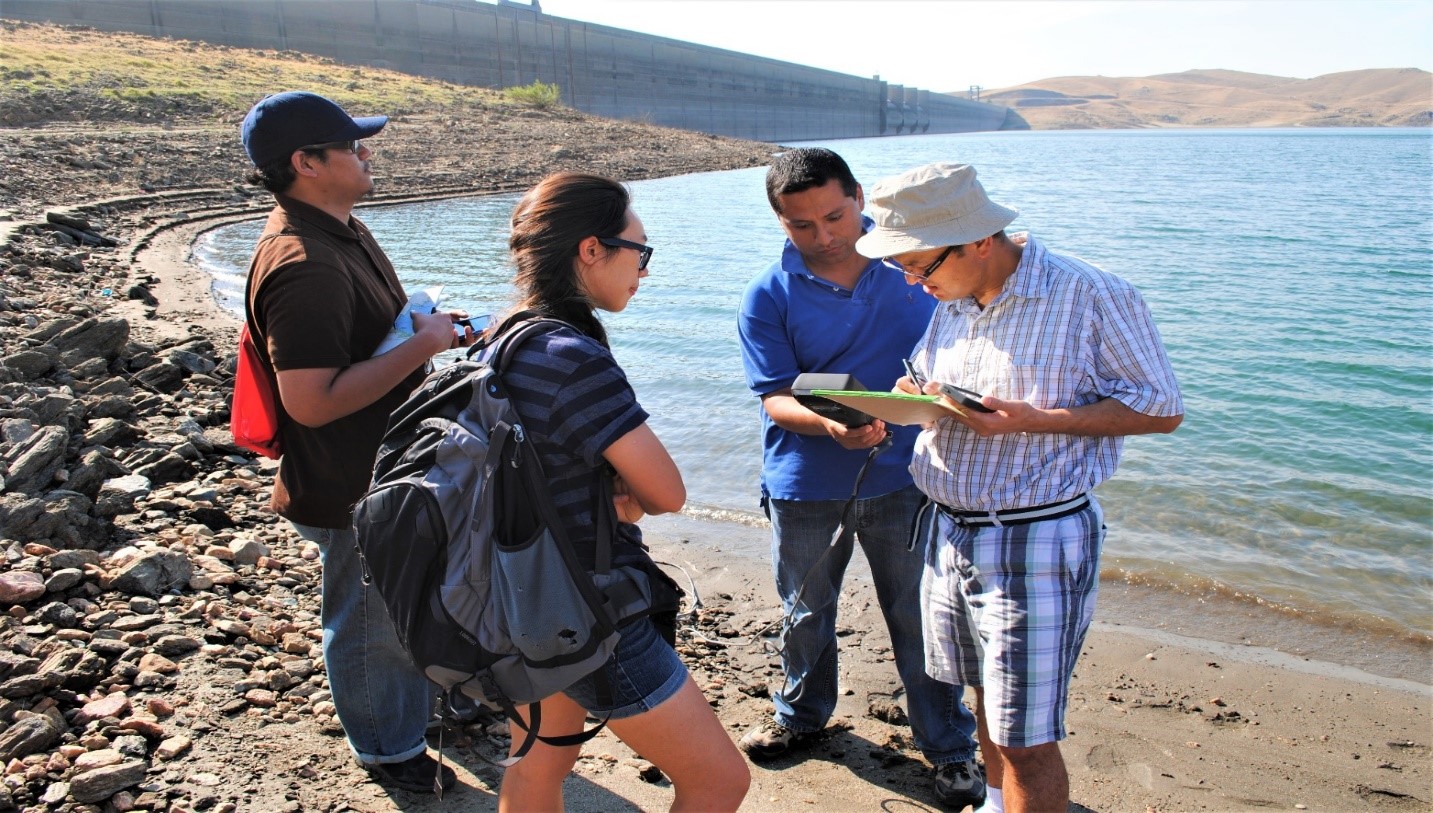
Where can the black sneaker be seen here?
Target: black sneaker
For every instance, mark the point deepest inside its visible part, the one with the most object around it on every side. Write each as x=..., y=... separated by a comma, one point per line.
x=770, y=740
x=960, y=784
x=414, y=775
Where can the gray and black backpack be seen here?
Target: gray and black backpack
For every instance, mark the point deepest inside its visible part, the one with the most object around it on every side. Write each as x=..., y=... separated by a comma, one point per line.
x=461, y=540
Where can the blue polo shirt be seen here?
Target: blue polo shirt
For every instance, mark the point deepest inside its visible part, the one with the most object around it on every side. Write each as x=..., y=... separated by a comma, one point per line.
x=793, y=322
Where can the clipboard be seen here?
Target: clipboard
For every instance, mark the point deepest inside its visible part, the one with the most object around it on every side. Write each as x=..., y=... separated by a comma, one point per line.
x=898, y=408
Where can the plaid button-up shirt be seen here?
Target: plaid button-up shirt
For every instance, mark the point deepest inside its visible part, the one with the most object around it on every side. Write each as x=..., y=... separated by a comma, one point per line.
x=1061, y=333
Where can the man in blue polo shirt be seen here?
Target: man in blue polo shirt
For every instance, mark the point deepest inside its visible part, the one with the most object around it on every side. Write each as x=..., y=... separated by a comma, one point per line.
x=823, y=308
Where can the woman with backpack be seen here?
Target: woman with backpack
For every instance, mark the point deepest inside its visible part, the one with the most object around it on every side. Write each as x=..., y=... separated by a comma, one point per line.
x=578, y=248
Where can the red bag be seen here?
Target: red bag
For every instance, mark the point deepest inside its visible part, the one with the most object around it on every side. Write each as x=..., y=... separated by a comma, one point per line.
x=254, y=413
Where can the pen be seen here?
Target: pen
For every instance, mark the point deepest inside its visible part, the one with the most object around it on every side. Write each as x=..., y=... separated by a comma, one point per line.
x=911, y=373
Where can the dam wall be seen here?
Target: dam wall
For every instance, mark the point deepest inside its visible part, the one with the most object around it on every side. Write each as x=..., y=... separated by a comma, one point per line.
x=600, y=70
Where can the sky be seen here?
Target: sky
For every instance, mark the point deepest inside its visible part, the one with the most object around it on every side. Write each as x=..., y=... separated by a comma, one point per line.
x=950, y=45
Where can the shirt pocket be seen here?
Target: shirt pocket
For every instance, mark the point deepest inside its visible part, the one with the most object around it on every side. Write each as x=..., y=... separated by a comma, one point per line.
x=1050, y=382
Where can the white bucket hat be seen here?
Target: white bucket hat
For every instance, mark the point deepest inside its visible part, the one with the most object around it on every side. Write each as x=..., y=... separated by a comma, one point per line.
x=933, y=206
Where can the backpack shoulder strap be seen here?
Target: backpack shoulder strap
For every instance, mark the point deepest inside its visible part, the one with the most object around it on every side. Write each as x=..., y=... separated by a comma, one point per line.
x=511, y=335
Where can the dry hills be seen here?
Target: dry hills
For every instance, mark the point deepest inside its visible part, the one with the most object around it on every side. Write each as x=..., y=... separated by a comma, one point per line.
x=1383, y=97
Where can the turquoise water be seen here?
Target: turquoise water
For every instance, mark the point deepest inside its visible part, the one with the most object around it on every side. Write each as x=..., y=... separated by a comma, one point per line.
x=1289, y=272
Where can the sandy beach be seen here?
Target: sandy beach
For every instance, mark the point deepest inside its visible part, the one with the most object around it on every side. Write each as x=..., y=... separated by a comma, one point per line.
x=1178, y=705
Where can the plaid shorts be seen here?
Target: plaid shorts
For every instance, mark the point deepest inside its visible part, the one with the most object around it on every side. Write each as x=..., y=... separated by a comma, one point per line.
x=1007, y=608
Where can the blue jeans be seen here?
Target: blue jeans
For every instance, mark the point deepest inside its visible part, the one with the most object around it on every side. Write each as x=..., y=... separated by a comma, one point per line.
x=383, y=701
x=801, y=534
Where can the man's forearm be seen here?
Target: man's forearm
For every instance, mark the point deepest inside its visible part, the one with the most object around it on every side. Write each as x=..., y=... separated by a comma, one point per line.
x=1106, y=417
x=318, y=396
x=788, y=413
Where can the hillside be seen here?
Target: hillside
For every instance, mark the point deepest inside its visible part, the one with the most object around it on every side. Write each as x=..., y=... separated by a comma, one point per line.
x=86, y=114
x=1384, y=97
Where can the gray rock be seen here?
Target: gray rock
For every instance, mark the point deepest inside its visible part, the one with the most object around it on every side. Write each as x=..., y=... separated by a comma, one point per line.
x=68, y=523
x=89, y=369
x=131, y=745
x=64, y=579
x=26, y=686
x=247, y=551
x=19, y=515
x=130, y=623
x=58, y=613
x=92, y=338
x=68, y=263
x=130, y=485
x=102, y=783
x=21, y=587
x=31, y=364
x=58, y=408
x=55, y=793
x=154, y=573
x=65, y=218
x=50, y=328
x=88, y=476
x=191, y=362
x=29, y=735
x=176, y=645
x=166, y=376
x=68, y=559
x=114, y=386
x=37, y=460
x=62, y=665
x=164, y=467
x=110, y=406
x=16, y=430
x=109, y=432
x=143, y=605
x=13, y=665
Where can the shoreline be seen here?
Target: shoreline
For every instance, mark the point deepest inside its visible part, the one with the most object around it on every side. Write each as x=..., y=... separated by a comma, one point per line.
x=1160, y=720
x=1226, y=618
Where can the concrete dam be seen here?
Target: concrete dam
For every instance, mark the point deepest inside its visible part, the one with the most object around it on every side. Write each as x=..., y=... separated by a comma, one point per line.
x=600, y=70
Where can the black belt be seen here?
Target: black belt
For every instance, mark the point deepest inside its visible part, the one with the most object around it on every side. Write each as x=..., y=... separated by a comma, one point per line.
x=1017, y=516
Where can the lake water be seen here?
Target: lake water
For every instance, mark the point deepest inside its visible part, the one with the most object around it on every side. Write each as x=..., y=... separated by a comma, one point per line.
x=1289, y=272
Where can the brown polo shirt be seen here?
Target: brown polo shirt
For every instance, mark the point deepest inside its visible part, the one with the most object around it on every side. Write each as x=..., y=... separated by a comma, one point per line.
x=324, y=295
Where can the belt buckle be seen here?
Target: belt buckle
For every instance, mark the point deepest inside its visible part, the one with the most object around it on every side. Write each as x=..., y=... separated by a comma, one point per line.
x=988, y=518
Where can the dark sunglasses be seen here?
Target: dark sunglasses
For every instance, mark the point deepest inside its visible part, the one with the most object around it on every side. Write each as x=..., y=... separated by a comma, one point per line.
x=930, y=269
x=644, y=253
x=351, y=146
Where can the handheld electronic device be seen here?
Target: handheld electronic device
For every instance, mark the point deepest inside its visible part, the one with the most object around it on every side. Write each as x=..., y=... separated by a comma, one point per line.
x=964, y=397
x=477, y=323
x=806, y=382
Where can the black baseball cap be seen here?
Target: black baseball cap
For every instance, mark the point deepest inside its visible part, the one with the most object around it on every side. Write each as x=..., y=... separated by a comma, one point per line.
x=283, y=122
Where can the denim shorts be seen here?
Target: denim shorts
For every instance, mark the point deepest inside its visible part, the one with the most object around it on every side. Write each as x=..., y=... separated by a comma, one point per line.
x=644, y=672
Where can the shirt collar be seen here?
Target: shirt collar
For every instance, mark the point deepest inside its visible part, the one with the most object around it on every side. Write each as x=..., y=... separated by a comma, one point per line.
x=315, y=216
x=1029, y=279
x=792, y=263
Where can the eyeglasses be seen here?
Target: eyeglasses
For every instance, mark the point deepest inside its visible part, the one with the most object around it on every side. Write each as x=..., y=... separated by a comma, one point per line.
x=930, y=269
x=351, y=146
x=644, y=253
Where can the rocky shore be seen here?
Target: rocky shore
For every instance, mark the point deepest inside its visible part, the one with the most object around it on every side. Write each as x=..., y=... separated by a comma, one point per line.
x=155, y=610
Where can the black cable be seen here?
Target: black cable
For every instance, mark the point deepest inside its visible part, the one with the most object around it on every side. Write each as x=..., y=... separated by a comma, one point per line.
x=787, y=621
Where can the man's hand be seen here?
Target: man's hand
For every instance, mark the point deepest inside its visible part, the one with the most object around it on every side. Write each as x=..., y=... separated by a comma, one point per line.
x=468, y=335
x=1104, y=418
x=435, y=330
x=628, y=509
x=857, y=437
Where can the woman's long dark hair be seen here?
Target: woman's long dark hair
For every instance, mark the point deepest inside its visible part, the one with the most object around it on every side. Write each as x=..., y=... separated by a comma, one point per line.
x=554, y=216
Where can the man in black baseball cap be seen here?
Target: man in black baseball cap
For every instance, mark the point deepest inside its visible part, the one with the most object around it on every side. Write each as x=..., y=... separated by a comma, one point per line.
x=284, y=122
x=321, y=297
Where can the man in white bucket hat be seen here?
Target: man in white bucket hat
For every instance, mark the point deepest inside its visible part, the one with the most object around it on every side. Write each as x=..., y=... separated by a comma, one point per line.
x=1052, y=361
